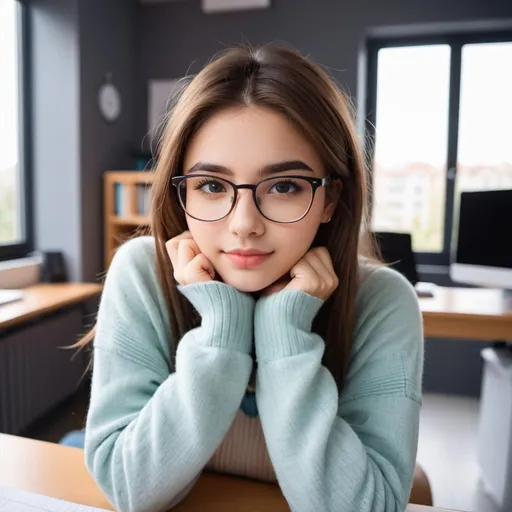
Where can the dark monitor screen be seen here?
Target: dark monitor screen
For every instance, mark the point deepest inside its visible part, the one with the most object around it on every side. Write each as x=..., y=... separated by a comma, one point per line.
x=484, y=235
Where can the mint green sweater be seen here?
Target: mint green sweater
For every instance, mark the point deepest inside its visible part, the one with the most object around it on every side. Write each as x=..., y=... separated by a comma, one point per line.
x=151, y=432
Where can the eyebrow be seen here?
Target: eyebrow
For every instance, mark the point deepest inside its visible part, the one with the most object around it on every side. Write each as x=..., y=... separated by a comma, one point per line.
x=288, y=165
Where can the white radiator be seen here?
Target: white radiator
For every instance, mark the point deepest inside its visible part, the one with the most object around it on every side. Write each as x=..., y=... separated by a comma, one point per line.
x=36, y=375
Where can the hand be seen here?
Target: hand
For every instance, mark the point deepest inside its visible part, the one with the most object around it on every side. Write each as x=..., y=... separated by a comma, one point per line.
x=189, y=264
x=314, y=274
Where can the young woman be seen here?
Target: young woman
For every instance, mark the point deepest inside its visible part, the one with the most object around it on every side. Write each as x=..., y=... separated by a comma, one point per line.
x=251, y=334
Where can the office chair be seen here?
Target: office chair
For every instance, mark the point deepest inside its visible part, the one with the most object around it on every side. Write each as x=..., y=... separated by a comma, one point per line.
x=396, y=250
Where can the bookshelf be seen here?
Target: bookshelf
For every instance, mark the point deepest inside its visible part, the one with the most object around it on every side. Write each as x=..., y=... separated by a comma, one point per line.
x=126, y=206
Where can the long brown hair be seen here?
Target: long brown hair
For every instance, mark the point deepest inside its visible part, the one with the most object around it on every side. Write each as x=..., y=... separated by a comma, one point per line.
x=278, y=78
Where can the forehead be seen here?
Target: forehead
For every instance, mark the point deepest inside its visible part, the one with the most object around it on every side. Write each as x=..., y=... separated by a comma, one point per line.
x=246, y=139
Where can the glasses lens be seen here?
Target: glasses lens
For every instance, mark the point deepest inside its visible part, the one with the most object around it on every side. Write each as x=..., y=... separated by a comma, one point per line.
x=284, y=199
x=206, y=197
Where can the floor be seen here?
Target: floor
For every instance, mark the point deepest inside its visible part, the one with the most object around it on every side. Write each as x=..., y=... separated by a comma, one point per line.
x=447, y=446
x=447, y=452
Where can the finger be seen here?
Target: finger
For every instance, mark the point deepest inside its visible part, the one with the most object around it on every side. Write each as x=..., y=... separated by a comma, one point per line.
x=304, y=273
x=172, y=246
x=206, y=265
x=187, y=251
x=319, y=267
x=324, y=255
x=172, y=250
x=198, y=270
x=300, y=269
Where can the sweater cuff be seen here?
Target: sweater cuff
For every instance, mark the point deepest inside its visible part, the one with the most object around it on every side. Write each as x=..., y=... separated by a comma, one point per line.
x=226, y=314
x=282, y=324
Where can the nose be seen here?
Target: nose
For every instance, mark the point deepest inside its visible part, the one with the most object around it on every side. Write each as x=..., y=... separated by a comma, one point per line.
x=245, y=220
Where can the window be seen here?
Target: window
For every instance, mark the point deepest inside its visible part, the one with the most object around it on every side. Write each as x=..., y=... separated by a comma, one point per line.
x=15, y=226
x=439, y=111
x=484, y=144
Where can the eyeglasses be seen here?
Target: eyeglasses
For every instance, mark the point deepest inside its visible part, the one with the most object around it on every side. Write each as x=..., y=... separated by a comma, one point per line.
x=284, y=199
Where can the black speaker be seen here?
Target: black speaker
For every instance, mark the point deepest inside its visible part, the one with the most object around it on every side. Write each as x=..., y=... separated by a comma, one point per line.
x=53, y=269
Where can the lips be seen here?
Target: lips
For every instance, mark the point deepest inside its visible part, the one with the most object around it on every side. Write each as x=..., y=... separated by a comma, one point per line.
x=247, y=258
x=249, y=252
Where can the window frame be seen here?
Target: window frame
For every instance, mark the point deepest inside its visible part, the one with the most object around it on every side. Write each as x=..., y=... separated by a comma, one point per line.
x=456, y=41
x=26, y=246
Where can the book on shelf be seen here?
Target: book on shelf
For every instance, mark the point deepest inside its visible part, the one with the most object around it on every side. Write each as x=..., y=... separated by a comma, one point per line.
x=121, y=206
x=122, y=200
x=143, y=198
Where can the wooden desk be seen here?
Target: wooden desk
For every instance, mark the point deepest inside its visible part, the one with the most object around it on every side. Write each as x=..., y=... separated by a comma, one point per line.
x=472, y=313
x=60, y=472
x=45, y=298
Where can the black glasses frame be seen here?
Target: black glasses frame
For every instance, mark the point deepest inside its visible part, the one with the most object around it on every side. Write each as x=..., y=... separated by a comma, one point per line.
x=315, y=183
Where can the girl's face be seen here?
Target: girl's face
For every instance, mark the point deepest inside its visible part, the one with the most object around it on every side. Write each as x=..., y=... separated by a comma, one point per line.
x=240, y=144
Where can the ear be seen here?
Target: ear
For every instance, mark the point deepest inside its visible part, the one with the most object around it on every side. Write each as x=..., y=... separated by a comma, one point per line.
x=332, y=196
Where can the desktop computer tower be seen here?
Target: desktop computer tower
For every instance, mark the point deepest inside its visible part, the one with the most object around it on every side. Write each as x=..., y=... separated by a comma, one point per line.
x=495, y=429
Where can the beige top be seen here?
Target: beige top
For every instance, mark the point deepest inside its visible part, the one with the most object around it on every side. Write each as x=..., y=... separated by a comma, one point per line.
x=243, y=451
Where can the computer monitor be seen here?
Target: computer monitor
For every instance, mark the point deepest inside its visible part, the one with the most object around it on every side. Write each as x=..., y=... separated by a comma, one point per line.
x=482, y=250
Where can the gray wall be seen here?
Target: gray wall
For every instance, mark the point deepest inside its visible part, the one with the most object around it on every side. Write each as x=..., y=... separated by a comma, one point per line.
x=74, y=44
x=56, y=128
x=106, y=45
x=176, y=37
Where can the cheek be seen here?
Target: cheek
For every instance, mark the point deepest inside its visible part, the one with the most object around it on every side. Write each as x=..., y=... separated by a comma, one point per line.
x=292, y=242
x=204, y=234
x=295, y=242
x=289, y=241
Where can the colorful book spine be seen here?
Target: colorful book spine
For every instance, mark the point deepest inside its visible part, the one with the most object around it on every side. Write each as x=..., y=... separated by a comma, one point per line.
x=120, y=200
x=143, y=198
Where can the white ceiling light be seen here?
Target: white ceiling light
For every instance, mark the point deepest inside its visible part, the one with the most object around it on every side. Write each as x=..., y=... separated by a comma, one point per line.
x=210, y=6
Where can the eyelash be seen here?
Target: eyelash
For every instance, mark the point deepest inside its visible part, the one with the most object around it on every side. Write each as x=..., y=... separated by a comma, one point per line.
x=205, y=181
x=298, y=188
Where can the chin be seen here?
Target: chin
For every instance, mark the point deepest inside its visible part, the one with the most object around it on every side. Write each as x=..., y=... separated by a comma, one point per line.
x=247, y=281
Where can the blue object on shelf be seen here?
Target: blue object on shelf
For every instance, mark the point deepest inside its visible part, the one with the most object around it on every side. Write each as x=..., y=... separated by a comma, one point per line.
x=118, y=199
